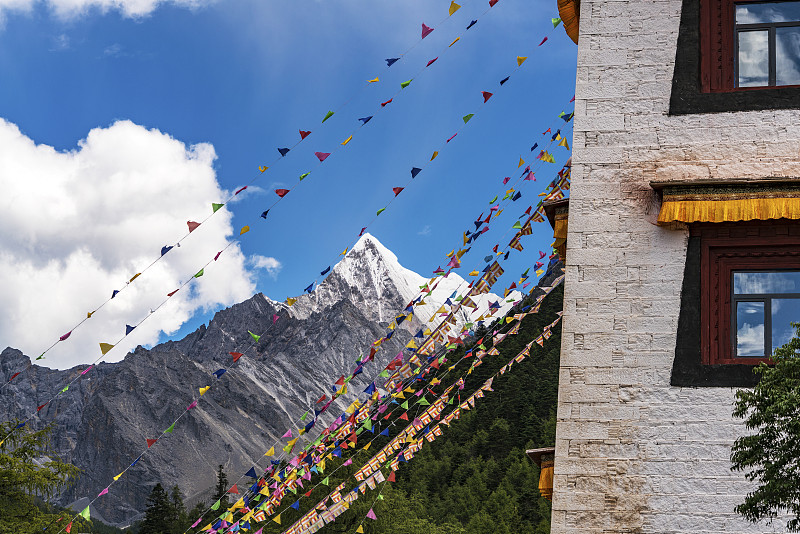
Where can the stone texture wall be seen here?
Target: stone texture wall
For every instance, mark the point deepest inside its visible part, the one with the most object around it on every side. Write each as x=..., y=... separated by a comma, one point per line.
x=634, y=454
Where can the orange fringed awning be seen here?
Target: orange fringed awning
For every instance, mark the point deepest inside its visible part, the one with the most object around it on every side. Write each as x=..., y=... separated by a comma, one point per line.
x=729, y=202
x=569, y=11
x=715, y=211
x=546, y=480
x=560, y=233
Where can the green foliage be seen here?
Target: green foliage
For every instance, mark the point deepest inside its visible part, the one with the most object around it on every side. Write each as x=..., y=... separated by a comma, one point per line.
x=221, y=492
x=771, y=455
x=28, y=475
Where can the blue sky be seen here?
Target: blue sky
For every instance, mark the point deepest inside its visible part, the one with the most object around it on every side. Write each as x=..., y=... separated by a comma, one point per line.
x=244, y=76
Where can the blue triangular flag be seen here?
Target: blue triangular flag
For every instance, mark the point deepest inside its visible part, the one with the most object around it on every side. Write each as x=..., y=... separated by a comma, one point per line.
x=219, y=372
x=251, y=473
x=310, y=288
x=283, y=151
x=385, y=432
x=415, y=171
x=517, y=196
x=264, y=215
x=165, y=249
x=129, y=329
x=504, y=80
x=534, y=147
x=365, y=120
x=487, y=258
x=114, y=294
x=296, y=504
x=391, y=61
x=471, y=24
x=326, y=271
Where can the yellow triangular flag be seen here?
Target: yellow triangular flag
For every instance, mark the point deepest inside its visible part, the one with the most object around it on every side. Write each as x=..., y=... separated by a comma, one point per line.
x=365, y=447
x=474, y=273
x=277, y=519
x=521, y=60
x=203, y=390
x=347, y=140
x=375, y=79
x=360, y=530
x=244, y=230
x=117, y=477
x=454, y=42
x=343, y=252
x=450, y=254
x=521, y=163
x=207, y=527
x=453, y=8
x=435, y=153
x=105, y=347
x=290, y=301
x=564, y=143
x=135, y=276
x=270, y=452
x=89, y=315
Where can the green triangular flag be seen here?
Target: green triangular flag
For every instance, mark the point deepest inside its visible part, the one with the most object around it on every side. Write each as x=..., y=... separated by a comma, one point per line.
x=304, y=175
x=215, y=506
x=556, y=22
x=170, y=429
x=468, y=117
x=255, y=337
x=85, y=513
x=368, y=424
x=384, y=374
x=326, y=481
x=294, y=490
x=405, y=84
x=404, y=405
x=451, y=400
x=40, y=357
x=215, y=207
x=492, y=201
x=199, y=273
x=328, y=115
x=380, y=211
x=517, y=226
x=65, y=389
x=424, y=402
x=359, y=431
x=303, y=418
x=380, y=497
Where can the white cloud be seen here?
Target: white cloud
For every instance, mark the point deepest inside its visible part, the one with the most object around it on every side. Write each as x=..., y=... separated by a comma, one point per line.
x=270, y=265
x=76, y=225
x=425, y=231
x=68, y=9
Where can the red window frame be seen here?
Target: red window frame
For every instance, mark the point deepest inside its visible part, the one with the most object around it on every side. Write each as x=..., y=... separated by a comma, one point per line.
x=717, y=47
x=725, y=248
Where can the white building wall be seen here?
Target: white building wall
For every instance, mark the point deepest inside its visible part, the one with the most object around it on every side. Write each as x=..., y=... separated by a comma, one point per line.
x=634, y=454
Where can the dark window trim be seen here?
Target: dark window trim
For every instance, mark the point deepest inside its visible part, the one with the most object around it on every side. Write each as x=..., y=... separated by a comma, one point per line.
x=687, y=96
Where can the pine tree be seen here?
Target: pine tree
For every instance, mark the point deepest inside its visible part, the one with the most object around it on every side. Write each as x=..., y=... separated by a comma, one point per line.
x=158, y=516
x=221, y=492
x=178, y=511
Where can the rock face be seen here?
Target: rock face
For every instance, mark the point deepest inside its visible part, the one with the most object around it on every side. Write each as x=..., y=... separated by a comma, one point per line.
x=104, y=418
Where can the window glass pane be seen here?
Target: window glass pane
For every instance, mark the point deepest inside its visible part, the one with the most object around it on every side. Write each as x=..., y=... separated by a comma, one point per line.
x=767, y=12
x=760, y=283
x=750, y=329
x=787, y=56
x=753, y=58
x=784, y=312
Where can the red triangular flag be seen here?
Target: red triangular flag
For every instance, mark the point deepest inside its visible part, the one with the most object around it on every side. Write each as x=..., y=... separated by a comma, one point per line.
x=404, y=416
x=340, y=382
x=172, y=293
x=486, y=96
x=322, y=156
x=383, y=105
x=493, y=2
x=281, y=192
x=304, y=134
x=236, y=356
x=432, y=61
x=151, y=442
x=192, y=225
x=308, y=493
x=42, y=406
x=322, y=398
x=397, y=190
x=234, y=489
x=426, y=31
x=391, y=477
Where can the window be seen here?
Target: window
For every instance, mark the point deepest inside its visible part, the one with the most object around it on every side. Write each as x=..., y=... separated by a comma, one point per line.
x=763, y=306
x=767, y=43
x=750, y=289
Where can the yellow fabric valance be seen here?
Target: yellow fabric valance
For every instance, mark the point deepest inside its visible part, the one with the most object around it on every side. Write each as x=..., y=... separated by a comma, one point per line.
x=730, y=201
x=715, y=211
x=560, y=234
x=546, y=480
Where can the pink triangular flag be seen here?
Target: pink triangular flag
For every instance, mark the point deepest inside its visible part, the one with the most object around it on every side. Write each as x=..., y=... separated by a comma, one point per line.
x=192, y=405
x=348, y=462
x=200, y=519
x=275, y=318
x=426, y=31
x=543, y=41
x=288, y=434
x=65, y=336
x=192, y=225
x=372, y=515
x=102, y=492
x=322, y=156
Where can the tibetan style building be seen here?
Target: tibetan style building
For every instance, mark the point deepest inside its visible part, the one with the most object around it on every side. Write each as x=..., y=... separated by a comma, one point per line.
x=682, y=251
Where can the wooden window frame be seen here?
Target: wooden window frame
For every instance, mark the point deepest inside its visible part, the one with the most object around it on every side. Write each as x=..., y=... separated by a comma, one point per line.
x=718, y=47
x=726, y=248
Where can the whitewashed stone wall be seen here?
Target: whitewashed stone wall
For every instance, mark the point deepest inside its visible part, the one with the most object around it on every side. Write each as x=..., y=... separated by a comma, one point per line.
x=634, y=454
